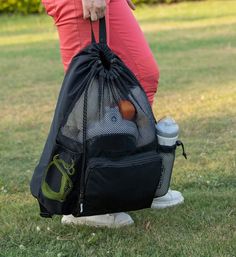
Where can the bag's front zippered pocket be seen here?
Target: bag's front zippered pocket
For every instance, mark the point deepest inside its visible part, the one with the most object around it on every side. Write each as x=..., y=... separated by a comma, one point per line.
x=124, y=184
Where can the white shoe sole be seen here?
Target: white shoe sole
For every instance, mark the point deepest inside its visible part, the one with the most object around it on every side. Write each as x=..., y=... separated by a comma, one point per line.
x=169, y=204
x=81, y=221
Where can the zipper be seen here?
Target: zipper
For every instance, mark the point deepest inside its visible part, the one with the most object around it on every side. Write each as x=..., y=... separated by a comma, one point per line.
x=123, y=163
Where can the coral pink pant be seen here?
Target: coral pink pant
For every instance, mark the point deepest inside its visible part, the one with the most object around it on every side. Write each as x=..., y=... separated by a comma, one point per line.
x=124, y=37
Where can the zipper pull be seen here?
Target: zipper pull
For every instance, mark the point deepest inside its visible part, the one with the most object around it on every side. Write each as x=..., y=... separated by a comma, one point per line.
x=81, y=207
x=81, y=200
x=178, y=143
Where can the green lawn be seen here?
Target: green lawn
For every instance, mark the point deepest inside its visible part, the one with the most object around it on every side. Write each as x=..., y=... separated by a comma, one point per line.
x=195, y=46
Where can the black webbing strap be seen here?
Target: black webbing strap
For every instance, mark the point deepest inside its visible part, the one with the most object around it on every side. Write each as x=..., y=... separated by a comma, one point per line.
x=102, y=31
x=166, y=149
x=171, y=149
x=93, y=40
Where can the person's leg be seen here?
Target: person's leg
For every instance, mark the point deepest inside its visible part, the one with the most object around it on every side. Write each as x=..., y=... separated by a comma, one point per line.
x=124, y=36
x=128, y=42
x=74, y=32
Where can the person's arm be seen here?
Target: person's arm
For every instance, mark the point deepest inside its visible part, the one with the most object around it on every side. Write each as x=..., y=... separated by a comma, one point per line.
x=96, y=9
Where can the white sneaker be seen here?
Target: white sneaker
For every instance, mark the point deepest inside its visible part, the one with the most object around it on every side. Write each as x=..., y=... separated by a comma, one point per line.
x=171, y=198
x=113, y=220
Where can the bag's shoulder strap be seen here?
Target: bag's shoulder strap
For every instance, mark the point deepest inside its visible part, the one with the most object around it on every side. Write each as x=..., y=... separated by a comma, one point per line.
x=102, y=31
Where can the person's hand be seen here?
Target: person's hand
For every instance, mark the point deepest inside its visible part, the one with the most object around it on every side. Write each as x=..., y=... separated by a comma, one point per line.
x=131, y=5
x=95, y=9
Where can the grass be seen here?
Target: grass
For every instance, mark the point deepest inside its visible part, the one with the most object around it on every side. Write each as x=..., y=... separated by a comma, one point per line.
x=195, y=46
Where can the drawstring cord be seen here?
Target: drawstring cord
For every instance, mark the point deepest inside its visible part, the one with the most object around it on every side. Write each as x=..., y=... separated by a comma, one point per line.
x=178, y=143
x=81, y=197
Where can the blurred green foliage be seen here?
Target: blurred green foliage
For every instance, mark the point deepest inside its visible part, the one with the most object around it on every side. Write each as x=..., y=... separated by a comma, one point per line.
x=21, y=6
x=35, y=6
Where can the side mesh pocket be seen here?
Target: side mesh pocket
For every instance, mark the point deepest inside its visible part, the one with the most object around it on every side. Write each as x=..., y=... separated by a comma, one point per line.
x=60, y=181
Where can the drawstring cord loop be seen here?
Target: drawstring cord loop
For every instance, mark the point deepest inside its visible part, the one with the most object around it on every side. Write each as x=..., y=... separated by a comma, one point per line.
x=179, y=143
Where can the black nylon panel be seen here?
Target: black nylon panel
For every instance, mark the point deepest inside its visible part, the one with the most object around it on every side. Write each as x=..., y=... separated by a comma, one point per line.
x=121, y=185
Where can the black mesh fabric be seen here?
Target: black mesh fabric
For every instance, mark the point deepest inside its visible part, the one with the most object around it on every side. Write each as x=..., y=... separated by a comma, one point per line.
x=104, y=115
x=168, y=163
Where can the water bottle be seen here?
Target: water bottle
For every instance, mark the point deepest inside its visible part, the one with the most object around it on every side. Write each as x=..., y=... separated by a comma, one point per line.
x=167, y=133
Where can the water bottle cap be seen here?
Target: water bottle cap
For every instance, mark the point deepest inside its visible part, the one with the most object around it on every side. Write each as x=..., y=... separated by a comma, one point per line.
x=167, y=127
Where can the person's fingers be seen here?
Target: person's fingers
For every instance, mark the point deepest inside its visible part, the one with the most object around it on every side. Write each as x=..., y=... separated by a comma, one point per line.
x=95, y=9
x=86, y=7
x=93, y=15
x=131, y=5
x=86, y=13
x=100, y=8
x=101, y=12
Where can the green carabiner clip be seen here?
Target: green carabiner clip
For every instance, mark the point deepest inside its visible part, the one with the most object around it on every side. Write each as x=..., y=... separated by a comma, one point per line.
x=66, y=184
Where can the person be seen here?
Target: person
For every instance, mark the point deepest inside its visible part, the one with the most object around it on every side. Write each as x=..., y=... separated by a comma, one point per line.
x=127, y=40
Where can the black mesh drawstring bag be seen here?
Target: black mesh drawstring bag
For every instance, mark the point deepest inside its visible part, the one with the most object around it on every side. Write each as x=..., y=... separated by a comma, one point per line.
x=101, y=152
